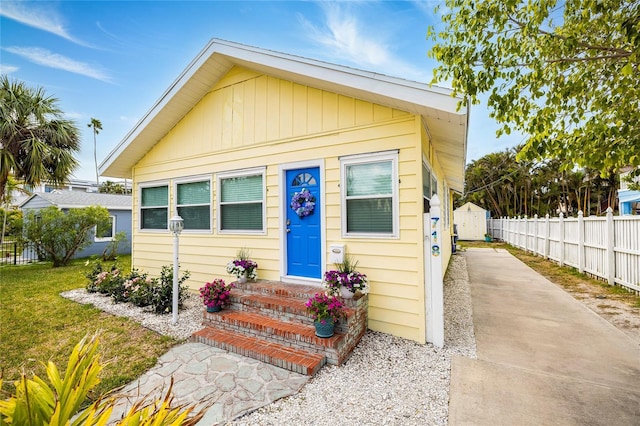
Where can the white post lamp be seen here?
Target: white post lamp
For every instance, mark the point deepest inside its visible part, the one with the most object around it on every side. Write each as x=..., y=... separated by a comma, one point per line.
x=176, y=225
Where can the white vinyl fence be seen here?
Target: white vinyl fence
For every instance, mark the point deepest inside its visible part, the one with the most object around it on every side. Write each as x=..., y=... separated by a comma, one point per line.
x=606, y=247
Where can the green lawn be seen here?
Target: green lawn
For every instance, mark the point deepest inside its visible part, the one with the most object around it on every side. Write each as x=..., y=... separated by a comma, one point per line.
x=38, y=325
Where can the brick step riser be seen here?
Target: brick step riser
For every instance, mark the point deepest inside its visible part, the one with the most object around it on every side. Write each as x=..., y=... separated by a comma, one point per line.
x=252, y=288
x=307, y=342
x=303, y=293
x=261, y=357
x=285, y=313
x=285, y=304
x=335, y=350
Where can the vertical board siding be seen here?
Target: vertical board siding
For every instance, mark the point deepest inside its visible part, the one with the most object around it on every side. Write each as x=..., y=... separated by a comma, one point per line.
x=588, y=247
x=249, y=120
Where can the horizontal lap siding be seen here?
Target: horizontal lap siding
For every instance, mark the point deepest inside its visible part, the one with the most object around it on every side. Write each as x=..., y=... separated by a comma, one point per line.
x=236, y=126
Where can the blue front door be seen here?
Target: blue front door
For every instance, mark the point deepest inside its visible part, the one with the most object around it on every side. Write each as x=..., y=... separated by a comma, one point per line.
x=303, y=223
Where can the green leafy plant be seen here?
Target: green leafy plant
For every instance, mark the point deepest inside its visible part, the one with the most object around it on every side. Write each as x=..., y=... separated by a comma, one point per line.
x=162, y=294
x=137, y=288
x=111, y=251
x=58, y=235
x=59, y=401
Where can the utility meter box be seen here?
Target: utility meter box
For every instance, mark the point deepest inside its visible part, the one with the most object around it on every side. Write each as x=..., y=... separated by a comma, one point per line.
x=336, y=253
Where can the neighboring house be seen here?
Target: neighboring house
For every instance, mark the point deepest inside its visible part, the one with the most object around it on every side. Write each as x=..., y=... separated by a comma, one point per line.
x=119, y=207
x=76, y=185
x=629, y=200
x=242, y=129
x=471, y=221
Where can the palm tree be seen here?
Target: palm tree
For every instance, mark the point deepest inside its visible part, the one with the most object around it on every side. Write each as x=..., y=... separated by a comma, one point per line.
x=36, y=143
x=97, y=126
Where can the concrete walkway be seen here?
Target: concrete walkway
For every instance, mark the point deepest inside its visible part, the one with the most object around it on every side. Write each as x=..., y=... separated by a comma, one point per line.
x=543, y=357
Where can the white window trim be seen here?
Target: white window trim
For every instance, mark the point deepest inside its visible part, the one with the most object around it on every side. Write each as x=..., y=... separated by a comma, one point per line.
x=107, y=239
x=239, y=173
x=192, y=179
x=151, y=185
x=395, y=201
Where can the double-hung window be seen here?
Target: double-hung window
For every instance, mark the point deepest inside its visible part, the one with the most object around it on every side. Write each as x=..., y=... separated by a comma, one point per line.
x=154, y=207
x=107, y=233
x=369, y=189
x=194, y=203
x=241, y=201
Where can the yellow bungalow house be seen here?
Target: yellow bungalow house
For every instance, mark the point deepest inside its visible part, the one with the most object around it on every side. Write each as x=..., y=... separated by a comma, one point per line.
x=243, y=128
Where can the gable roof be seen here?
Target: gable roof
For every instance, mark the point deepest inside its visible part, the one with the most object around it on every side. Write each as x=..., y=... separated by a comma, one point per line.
x=77, y=199
x=446, y=126
x=468, y=207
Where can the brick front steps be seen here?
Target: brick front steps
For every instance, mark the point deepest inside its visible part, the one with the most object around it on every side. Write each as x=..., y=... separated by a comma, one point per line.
x=268, y=321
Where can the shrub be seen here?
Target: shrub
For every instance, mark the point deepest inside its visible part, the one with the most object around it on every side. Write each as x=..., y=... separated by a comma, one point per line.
x=137, y=287
x=59, y=235
x=111, y=251
x=162, y=293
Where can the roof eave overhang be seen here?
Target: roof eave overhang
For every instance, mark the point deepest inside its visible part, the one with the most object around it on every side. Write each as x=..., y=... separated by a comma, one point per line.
x=218, y=57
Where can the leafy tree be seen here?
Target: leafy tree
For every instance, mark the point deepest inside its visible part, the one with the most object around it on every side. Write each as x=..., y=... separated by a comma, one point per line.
x=57, y=235
x=11, y=186
x=96, y=125
x=563, y=73
x=506, y=187
x=110, y=187
x=36, y=143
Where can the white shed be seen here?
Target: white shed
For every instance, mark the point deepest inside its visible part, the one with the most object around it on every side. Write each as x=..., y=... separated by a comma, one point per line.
x=471, y=221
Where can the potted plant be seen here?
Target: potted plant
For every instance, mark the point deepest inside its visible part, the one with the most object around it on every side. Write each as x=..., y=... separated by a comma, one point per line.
x=487, y=237
x=345, y=280
x=326, y=311
x=216, y=294
x=243, y=267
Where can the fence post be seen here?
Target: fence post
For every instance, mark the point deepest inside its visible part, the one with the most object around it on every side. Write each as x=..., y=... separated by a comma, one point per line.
x=581, y=253
x=611, y=255
x=15, y=253
x=535, y=234
x=526, y=233
x=547, y=235
x=561, y=238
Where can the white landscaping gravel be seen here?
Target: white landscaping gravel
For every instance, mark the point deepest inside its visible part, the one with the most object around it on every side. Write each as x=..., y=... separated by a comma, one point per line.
x=386, y=381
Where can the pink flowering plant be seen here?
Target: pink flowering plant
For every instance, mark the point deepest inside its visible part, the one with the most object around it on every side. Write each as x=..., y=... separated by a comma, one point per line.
x=216, y=293
x=323, y=307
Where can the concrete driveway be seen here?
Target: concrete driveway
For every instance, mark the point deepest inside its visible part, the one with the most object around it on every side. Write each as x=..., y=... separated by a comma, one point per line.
x=543, y=357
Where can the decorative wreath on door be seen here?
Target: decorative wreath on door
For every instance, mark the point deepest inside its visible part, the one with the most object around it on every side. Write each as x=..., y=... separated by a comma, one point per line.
x=303, y=203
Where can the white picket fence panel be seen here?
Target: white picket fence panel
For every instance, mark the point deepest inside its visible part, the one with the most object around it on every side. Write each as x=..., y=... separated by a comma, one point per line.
x=606, y=247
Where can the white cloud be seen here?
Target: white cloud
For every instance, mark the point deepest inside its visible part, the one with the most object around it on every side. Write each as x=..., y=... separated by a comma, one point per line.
x=54, y=60
x=344, y=37
x=42, y=17
x=74, y=115
x=7, y=69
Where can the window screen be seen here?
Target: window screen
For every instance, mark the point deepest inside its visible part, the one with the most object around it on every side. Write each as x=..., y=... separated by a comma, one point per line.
x=194, y=204
x=154, y=207
x=369, y=197
x=241, y=203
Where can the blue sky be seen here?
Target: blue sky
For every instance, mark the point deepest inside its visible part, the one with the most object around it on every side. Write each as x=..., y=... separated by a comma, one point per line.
x=112, y=59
